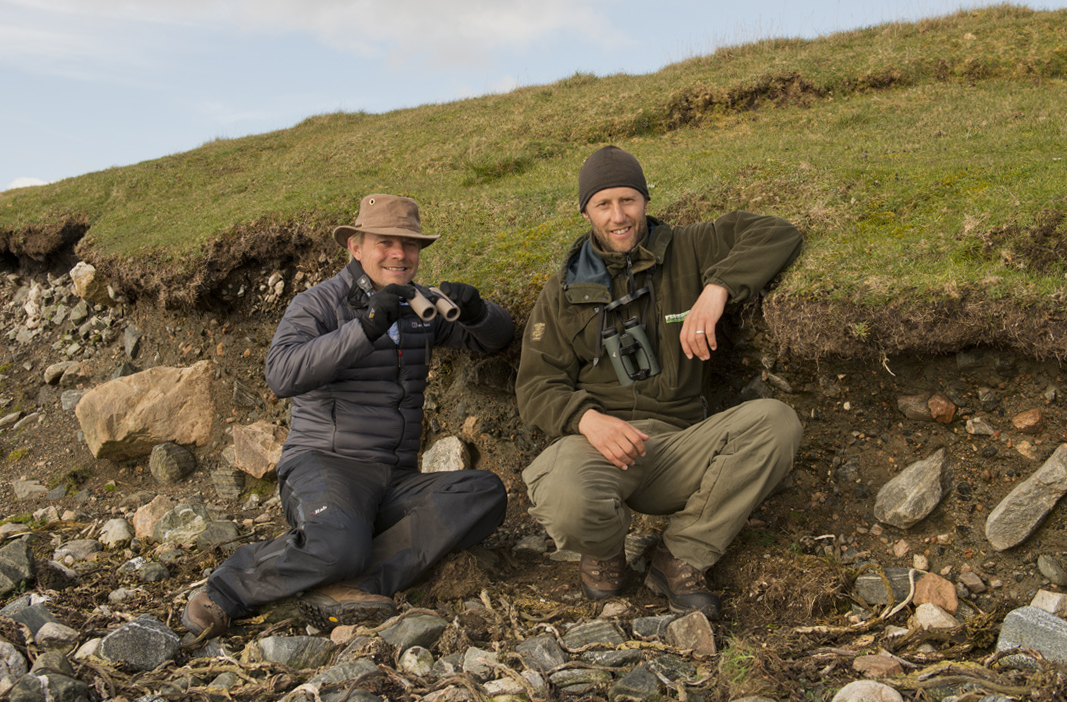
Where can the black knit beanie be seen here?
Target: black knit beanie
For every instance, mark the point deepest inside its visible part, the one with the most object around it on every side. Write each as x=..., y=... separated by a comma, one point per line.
x=610, y=167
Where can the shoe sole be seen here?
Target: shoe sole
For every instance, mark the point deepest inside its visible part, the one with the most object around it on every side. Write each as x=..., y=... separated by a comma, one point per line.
x=326, y=617
x=597, y=595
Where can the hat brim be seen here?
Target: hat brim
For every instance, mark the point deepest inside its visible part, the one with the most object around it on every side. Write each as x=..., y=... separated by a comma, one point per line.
x=343, y=232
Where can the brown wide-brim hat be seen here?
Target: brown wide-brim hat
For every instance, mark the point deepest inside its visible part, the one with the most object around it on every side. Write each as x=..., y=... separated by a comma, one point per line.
x=386, y=215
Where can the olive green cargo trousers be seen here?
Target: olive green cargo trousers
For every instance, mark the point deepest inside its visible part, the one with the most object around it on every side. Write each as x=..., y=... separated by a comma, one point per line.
x=706, y=479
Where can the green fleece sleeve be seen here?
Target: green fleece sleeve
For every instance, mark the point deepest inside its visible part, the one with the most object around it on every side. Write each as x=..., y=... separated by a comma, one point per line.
x=747, y=250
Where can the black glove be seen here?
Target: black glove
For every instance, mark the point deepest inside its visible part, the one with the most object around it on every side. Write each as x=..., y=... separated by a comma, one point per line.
x=470, y=303
x=384, y=309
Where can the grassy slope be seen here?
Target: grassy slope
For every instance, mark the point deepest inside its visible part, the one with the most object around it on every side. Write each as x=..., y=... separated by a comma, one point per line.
x=921, y=160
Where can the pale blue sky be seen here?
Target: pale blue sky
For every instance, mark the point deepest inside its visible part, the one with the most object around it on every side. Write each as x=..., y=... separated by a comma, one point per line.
x=90, y=84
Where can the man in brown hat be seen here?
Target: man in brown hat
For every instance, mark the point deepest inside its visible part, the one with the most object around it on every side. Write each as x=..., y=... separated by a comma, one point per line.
x=612, y=365
x=354, y=357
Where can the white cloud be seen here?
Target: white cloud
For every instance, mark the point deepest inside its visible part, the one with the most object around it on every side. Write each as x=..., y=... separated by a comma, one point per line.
x=438, y=31
x=25, y=183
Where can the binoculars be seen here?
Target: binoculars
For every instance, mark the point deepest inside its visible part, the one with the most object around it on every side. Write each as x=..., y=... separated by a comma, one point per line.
x=428, y=309
x=630, y=352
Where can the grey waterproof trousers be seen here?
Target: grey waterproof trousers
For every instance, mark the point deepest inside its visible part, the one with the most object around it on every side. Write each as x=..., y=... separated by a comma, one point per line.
x=364, y=524
x=707, y=478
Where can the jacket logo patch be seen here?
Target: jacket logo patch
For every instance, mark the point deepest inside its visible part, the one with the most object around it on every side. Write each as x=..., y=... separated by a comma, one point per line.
x=538, y=332
x=320, y=510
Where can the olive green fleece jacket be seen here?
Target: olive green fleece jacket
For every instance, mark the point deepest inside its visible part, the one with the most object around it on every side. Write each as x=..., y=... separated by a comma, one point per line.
x=564, y=370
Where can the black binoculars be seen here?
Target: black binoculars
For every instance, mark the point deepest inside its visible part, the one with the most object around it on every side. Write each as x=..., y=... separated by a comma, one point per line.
x=630, y=352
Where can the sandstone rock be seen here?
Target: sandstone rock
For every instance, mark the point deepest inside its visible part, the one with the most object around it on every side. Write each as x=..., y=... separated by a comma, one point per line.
x=116, y=532
x=692, y=631
x=1051, y=602
x=914, y=493
x=877, y=666
x=927, y=407
x=1029, y=422
x=447, y=454
x=127, y=417
x=930, y=616
x=933, y=589
x=147, y=516
x=867, y=691
x=90, y=285
x=257, y=448
x=1024, y=508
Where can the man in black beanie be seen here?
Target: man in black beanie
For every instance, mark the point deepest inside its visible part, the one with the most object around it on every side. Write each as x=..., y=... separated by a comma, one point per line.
x=612, y=367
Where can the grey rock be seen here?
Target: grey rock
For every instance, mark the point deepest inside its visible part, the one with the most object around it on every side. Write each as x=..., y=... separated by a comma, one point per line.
x=13, y=665
x=17, y=565
x=53, y=636
x=224, y=681
x=124, y=369
x=28, y=489
x=672, y=668
x=652, y=627
x=171, y=463
x=596, y=632
x=297, y=652
x=987, y=398
x=624, y=658
x=229, y=481
x=34, y=616
x=870, y=588
x=914, y=493
x=978, y=426
x=1025, y=507
x=448, y=665
x=8, y=420
x=478, y=663
x=31, y=418
x=756, y=389
x=218, y=533
x=54, y=372
x=69, y=399
x=79, y=312
x=1052, y=570
x=131, y=341
x=541, y=652
x=57, y=493
x=1036, y=629
x=446, y=455
x=418, y=630
x=116, y=532
x=533, y=544
x=154, y=573
x=78, y=549
x=349, y=670
x=143, y=644
x=49, y=687
x=639, y=684
x=579, y=680
x=182, y=524
x=416, y=661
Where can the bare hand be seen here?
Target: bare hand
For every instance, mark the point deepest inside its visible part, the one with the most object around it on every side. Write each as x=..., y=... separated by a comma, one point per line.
x=698, y=329
x=616, y=440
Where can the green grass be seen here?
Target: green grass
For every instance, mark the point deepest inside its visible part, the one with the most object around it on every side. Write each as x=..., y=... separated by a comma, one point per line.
x=917, y=158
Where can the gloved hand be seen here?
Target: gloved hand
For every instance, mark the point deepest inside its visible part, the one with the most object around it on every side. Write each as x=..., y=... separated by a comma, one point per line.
x=470, y=303
x=384, y=309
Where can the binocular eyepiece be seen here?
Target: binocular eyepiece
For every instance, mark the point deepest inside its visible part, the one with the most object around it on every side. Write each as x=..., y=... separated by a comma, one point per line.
x=428, y=309
x=630, y=352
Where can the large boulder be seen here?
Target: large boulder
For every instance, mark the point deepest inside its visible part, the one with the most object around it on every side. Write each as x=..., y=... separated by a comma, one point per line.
x=126, y=417
x=90, y=285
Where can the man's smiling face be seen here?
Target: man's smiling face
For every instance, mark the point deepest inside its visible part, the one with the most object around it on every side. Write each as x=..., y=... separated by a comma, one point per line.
x=387, y=259
x=618, y=218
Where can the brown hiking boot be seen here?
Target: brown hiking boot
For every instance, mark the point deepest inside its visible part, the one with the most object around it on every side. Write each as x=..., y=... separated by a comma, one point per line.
x=202, y=614
x=332, y=605
x=683, y=585
x=602, y=579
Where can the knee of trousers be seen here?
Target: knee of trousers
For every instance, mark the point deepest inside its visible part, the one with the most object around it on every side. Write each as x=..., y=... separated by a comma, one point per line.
x=781, y=423
x=338, y=547
x=583, y=519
